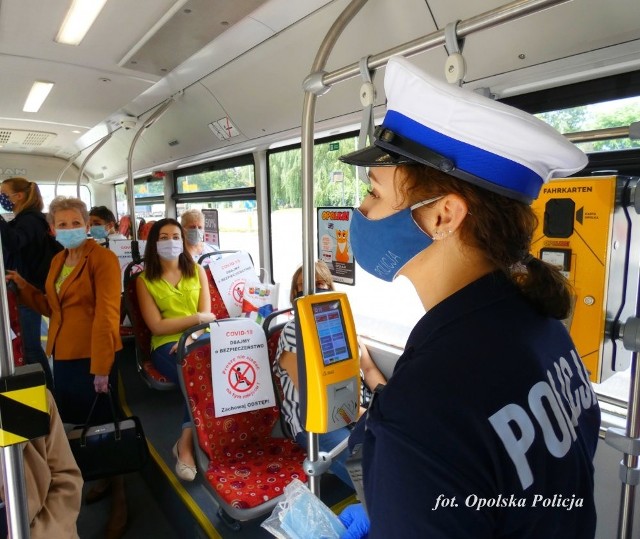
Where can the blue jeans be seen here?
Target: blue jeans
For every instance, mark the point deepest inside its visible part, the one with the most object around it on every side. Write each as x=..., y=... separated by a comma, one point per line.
x=166, y=364
x=30, y=322
x=326, y=442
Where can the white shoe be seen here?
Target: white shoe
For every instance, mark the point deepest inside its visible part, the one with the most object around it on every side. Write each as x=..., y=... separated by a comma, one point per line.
x=183, y=471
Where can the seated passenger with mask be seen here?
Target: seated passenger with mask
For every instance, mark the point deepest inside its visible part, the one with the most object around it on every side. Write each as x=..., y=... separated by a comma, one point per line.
x=286, y=369
x=192, y=222
x=103, y=225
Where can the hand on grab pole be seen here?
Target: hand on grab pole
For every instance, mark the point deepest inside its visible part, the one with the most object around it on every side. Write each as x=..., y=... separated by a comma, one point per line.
x=356, y=521
x=16, y=278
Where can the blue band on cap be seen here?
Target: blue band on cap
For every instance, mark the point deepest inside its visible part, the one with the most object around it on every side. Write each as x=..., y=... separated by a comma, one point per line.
x=486, y=165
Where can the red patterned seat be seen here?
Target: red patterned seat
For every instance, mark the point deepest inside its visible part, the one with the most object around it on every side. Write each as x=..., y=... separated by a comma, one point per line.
x=143, y=231
x=14, y=322
x=217, y=304
x=246, y=468
x=141, y=332
x=126, y=332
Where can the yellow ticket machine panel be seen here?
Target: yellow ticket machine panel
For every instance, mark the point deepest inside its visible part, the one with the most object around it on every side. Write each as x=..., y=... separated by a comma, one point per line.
x=583, y=231
x=328, y=362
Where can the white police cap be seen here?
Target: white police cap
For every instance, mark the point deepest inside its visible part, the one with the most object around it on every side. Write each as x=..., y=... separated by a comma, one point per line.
x=466, y=135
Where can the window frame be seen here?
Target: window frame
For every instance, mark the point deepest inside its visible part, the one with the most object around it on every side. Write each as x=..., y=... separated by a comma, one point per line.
x=213, y=166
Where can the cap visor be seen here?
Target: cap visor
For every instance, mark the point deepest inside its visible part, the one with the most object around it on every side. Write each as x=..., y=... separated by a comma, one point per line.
x=374, y=156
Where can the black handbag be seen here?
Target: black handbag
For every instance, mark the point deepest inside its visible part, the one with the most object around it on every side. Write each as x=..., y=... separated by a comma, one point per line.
x=109, y=449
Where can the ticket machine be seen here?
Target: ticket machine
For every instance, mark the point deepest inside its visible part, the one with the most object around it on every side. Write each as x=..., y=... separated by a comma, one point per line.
x=328, y=362
x=590, y=229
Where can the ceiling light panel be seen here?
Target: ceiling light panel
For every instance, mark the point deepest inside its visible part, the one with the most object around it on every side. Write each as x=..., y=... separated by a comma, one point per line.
x=78, y=20
x=39, y=92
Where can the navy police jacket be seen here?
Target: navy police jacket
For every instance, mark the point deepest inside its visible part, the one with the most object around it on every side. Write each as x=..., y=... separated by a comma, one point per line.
x=487, y=428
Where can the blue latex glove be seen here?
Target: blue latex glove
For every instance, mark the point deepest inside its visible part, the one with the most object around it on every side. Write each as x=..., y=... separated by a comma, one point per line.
x=356, y=521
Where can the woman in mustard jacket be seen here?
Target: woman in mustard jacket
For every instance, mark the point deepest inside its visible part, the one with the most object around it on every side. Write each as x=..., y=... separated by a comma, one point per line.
x=82, y=301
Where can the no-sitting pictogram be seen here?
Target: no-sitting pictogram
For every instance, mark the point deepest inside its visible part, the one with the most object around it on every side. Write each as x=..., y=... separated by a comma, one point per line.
x=242, y=376
x=238, y=291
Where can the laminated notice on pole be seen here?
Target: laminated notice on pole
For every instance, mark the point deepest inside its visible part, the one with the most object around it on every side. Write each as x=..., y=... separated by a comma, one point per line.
x=122, y=249
x=230, y=274
x=240, y=370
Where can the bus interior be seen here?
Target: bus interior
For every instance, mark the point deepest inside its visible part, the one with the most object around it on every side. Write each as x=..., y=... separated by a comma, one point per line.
x=244, y=106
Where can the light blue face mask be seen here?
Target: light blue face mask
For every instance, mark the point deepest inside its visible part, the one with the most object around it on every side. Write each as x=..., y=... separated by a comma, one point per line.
x=98, y=232
x=307, y=516
x=70, y=238
x=383, y=246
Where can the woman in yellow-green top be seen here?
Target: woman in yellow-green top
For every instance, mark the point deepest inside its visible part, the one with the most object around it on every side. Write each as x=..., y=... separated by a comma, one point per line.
x=174, y=295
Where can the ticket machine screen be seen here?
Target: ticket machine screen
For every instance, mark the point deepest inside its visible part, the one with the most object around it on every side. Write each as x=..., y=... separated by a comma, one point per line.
x=332, y=334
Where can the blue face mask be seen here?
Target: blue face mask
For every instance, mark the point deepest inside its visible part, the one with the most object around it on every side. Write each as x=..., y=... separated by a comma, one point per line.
x=70, y=238
x=382, y=247
x=98, y=232
x=169, y=249
x=6, y=203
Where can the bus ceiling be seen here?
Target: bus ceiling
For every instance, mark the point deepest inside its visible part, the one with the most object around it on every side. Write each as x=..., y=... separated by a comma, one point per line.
x=239, y=89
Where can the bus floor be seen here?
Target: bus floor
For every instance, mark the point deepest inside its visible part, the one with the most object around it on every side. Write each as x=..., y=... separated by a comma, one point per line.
x=160, y=505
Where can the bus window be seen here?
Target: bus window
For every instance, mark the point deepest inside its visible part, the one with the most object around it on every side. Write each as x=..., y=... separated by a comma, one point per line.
x=48, y=193
x=121, y=200
x=229, y=187
x=286, y=204
x=216, y=179
x=608, y=114
x=149, y=198
x=238, y=224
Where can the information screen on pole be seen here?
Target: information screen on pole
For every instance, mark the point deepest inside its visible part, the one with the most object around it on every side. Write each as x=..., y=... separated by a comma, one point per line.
x=328, y=362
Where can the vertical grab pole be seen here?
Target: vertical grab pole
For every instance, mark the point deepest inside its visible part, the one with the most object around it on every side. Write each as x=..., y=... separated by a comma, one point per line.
x=630, y=461
x=308, y=118
x=628, y=440
x=131, y=202
x=65, y=168
x=100, y=144
x=13, y=470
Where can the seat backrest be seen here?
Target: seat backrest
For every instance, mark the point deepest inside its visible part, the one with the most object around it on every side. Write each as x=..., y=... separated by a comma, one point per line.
x=205, y=259
x=144, y=230
x=141, y=332
x=272, y=326
x=14, y=321
x=237, y=446
x=124, y=226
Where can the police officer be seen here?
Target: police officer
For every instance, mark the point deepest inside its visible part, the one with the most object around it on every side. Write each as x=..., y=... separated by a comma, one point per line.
x=489, y=424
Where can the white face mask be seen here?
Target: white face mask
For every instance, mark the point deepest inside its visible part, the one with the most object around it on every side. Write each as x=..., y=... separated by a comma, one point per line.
x=169, y=249
x=194, y=235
